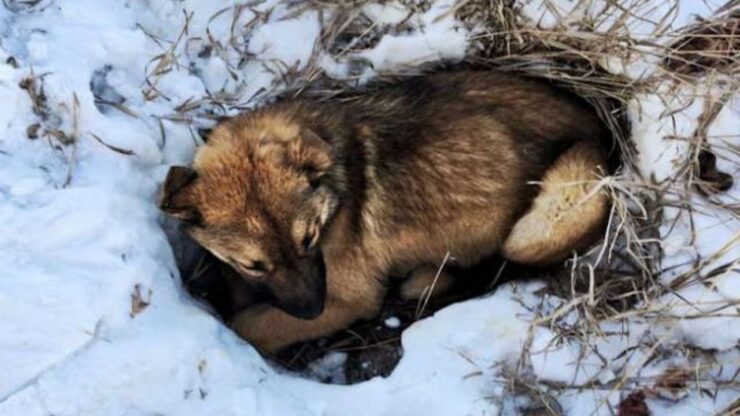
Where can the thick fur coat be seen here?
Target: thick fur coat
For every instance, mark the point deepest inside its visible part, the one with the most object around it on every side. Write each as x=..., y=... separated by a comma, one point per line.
x=319, y=201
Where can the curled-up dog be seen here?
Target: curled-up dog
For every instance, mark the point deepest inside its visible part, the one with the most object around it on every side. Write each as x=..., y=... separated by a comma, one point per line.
x=319, y=201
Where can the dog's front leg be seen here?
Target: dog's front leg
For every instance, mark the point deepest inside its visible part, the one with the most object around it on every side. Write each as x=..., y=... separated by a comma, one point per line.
x=269, y=329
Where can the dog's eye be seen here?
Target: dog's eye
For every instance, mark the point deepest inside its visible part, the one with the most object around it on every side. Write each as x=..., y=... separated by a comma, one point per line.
x=314, y=182
x=258, y=266
x=313, y=175
x=255, y=268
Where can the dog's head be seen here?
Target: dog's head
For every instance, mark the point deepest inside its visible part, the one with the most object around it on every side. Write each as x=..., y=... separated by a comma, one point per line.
x=258, y=198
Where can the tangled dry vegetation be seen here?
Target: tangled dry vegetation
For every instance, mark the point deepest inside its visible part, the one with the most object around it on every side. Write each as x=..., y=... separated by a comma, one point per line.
x=620, y=278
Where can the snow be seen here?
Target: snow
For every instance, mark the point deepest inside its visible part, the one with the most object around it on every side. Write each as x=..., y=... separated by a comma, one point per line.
x=277, y=41
x=390, y=13
x=392, y=322
x=435, y=39
x=551, y=13
x=82, y=239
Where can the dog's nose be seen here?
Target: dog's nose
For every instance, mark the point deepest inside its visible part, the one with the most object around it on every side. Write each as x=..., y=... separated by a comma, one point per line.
x=318, y=276
x=302, y=292
x=310, y=311
x=305, y=308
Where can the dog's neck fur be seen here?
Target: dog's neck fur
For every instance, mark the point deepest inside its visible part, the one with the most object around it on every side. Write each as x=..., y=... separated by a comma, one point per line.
x=350, y=154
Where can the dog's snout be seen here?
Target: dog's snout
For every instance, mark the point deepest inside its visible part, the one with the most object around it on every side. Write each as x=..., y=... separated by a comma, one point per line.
x=304, y=293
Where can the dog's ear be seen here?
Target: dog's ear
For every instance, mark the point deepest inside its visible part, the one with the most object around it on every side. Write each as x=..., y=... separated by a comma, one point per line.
x=306, y=152
x=314, y=156
x=176, y=199
x=313, y=153
x=313, y=140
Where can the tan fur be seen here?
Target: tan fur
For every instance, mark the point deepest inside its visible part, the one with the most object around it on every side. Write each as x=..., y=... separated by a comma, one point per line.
x=393, y=179
x=426, y=281
x=567, y=213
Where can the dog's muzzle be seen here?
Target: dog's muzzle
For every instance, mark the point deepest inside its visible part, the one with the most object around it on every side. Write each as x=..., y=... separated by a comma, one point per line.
x=304, y=294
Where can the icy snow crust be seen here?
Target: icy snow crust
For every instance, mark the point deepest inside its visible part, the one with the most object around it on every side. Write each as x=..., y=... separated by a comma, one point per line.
x=81, y=237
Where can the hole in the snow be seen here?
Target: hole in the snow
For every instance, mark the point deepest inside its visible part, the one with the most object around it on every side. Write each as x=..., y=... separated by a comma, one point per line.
x=372, y=348
x=366, y=349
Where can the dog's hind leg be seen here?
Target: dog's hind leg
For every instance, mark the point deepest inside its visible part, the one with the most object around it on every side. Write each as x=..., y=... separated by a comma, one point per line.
x=569, y=212
x=426, y=281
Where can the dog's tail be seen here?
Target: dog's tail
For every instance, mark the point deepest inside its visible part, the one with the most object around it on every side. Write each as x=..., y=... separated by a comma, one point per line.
x=569, y=212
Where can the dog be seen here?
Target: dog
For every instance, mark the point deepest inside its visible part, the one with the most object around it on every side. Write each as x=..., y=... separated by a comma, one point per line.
x=318, y=201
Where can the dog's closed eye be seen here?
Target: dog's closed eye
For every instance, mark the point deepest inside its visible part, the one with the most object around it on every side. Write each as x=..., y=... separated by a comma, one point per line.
x=251, y=268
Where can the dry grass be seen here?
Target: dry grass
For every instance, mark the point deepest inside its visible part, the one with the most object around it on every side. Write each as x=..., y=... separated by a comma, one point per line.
x=620, y=280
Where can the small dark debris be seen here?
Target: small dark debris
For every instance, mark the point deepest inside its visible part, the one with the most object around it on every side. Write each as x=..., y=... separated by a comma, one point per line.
x=32, y=131
x=34, y=86
x=372, y=362
x=673, y=384
x=138, y=303
x=12, y=62
x=706, y=46
x=634, y=405
x=712, y=179
x=61, y=136
x=205, y=52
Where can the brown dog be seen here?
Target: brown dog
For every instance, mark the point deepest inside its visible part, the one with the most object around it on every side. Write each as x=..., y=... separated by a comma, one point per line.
x=320, y=201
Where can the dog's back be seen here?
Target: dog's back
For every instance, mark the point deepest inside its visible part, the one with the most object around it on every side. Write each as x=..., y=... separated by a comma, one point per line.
x=449, y=159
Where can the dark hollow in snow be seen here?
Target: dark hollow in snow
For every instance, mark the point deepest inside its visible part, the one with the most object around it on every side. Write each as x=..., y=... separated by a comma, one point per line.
x=373, y=347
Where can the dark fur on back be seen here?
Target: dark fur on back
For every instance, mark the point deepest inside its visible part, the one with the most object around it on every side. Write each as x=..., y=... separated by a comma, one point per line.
x=416, y=112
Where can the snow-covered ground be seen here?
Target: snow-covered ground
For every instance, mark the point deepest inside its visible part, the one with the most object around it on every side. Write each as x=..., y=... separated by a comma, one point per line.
x=94, y=321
